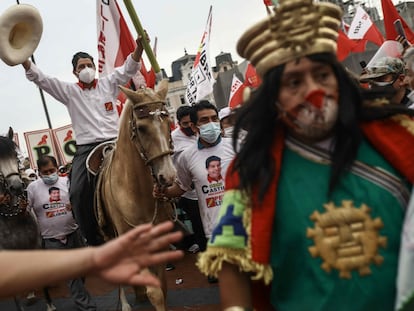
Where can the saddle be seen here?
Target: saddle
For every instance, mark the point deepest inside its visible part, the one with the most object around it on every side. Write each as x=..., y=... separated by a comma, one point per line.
x=97, y=155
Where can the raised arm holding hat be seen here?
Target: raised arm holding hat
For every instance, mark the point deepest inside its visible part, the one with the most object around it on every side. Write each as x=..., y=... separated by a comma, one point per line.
x=317, y=194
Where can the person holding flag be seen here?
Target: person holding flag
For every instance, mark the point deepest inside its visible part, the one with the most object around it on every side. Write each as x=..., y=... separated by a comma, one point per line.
x=316, y=211
x=91, y=104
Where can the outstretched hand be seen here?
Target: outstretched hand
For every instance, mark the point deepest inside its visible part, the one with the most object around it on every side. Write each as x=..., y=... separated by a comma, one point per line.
x=121, y=261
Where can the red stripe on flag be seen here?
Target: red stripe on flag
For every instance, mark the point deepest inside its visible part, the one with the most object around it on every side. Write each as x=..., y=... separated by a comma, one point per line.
x=126, y=42
x=390, y=16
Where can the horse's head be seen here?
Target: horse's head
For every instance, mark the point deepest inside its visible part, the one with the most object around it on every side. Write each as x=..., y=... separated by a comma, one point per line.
x=150, y=130
x=11, y=184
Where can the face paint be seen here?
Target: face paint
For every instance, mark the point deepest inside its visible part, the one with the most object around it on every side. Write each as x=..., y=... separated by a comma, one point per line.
x=314, y=118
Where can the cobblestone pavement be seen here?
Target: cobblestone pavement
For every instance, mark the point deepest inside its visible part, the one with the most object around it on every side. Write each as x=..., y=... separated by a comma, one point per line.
x=193, y=294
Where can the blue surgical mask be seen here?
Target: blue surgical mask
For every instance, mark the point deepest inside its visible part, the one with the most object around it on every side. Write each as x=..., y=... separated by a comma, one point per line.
x=50, y=179
x=210, y=131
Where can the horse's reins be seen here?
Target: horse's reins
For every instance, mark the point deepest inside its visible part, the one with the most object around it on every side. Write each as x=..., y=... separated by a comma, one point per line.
x=141, y=112
x=10, y=210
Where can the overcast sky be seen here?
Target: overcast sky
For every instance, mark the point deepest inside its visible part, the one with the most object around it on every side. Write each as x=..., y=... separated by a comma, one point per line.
x=70, y=26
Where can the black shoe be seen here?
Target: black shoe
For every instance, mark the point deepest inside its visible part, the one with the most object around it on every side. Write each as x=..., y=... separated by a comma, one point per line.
x=169, y=267
x=212, y=279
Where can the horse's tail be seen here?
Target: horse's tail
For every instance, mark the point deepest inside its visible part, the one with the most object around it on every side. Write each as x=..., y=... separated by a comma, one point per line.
x=106, y=226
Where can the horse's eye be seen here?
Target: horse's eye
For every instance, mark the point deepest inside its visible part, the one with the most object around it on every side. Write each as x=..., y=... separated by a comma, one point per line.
x=142, y=129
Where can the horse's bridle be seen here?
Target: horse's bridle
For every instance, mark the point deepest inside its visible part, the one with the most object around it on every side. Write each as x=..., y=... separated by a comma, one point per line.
x=141, y=112
x=9, y=210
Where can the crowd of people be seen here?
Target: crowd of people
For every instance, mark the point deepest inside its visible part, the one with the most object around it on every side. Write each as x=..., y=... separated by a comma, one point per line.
x=299, y=197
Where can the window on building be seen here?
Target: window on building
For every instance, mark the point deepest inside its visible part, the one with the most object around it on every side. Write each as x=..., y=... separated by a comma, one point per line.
x=182, y=99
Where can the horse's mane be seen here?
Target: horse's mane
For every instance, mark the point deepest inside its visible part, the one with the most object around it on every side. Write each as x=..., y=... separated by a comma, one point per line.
x=7, y=148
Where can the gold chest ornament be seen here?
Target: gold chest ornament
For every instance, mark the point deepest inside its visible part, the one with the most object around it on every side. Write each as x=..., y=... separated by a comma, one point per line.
x=346, y=238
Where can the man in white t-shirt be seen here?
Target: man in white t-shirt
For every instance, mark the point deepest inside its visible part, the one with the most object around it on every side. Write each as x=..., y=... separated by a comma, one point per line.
x=48, y=198
x=193, y=164
x=183, y=137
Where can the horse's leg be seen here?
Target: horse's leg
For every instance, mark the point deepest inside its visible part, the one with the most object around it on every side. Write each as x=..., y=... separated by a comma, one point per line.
x=18, y=304
x=49, y=303
x=156, y=295
x=124, y=302
x=140, y=294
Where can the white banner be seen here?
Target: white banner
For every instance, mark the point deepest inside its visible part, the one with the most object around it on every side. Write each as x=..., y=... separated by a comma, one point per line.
x=111, y=27
x=360, y=24
x=201, y=80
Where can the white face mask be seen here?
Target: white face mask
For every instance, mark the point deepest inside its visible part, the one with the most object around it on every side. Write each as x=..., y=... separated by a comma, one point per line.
x=228, y=132
x=50, y=179
x=210, y=131
x=87, y=75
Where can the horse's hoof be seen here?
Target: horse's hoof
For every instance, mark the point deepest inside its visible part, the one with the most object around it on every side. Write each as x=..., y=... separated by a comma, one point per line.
x=51, y=307
x=126, y=307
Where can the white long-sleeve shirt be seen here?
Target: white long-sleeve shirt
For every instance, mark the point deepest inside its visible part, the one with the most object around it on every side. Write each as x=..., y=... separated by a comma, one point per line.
x=92, y=111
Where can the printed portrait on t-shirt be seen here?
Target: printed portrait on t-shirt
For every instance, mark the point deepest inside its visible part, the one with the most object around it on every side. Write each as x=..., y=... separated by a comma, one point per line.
x=55, y=207
x=215, y=185
x=213, y=166
x=54, y=194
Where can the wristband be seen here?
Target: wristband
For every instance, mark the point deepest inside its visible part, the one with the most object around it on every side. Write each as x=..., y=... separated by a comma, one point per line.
x=238, y=308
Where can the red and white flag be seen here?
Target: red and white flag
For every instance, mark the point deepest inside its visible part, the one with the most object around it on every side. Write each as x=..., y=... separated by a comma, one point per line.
x=362, y=28
x=251, y=78
x=115, y=43
x=236, y=92
x=347, y=46
x=390, y=16
x=267, y=2
x=201, y=81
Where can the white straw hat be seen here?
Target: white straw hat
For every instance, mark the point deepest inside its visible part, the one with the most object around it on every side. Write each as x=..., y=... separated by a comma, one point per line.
x=20, y=32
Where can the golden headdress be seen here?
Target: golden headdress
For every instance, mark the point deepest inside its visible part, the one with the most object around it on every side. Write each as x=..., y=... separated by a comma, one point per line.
x=294, y=29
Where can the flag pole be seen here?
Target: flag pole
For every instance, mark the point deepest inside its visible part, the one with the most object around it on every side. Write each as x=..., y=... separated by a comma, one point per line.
x=141, y=32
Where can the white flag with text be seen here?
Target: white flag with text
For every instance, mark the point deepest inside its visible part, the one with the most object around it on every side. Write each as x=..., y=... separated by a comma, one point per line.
x=201, y=80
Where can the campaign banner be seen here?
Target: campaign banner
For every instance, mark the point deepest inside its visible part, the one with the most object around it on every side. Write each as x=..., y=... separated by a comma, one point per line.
x=65, y=143
x=39, y=143
x=201, y=80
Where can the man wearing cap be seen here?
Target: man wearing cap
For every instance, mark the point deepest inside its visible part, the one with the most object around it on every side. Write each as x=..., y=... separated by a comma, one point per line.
x=316, y=197
x=31, y=174
x=409, y=70
x=225, y=122
x=388, y=75
x=91, y=104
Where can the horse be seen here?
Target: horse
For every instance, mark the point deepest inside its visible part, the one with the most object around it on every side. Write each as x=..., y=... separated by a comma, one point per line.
x=140, y=158
x=18, y=226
